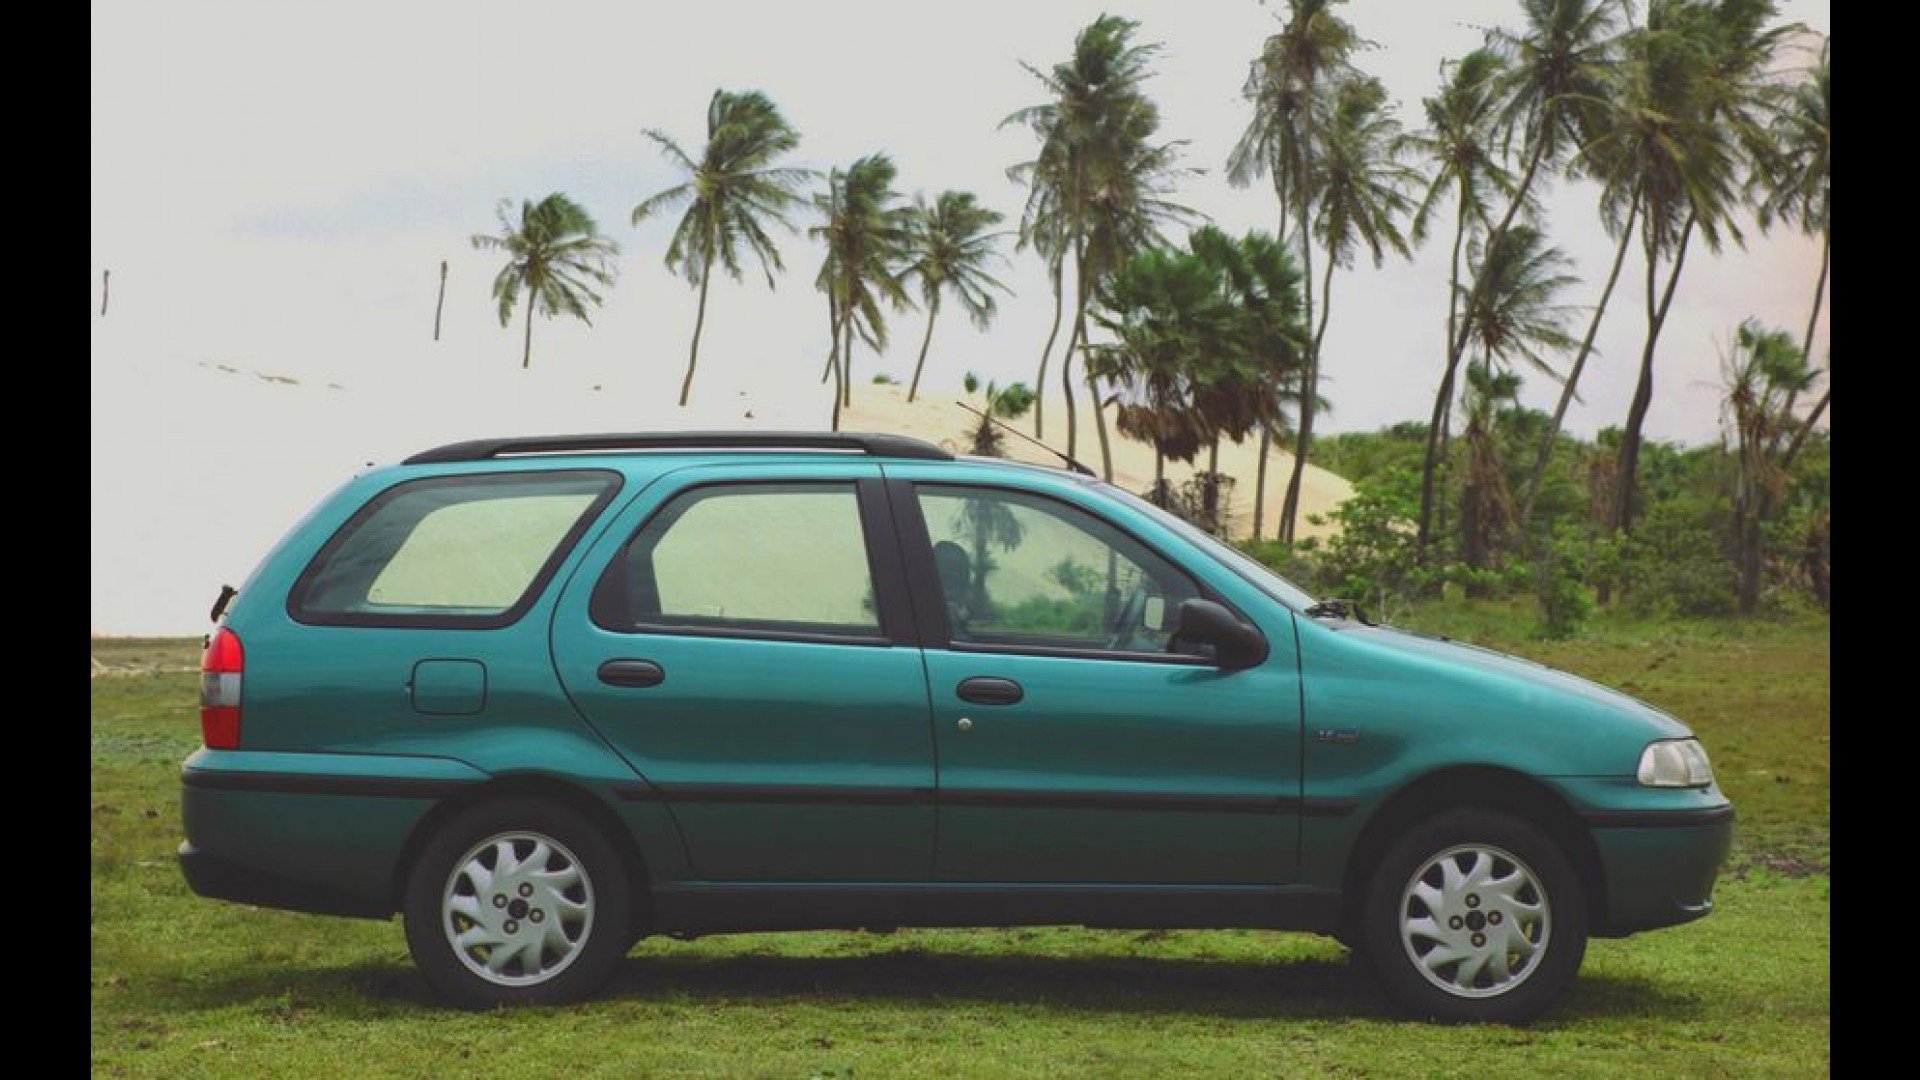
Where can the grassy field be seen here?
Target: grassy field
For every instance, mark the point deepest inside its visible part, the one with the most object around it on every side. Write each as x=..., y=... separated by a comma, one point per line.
x=182, y=985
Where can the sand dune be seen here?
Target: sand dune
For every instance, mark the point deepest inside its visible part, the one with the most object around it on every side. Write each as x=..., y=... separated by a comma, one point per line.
x=936, y=417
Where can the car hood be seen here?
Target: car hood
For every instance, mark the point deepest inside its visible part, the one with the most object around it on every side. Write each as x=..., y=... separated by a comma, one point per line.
x=1508, y=669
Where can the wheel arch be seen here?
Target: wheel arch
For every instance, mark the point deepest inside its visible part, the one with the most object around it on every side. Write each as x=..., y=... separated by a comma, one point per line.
x=1486, y=787
x=536, y=785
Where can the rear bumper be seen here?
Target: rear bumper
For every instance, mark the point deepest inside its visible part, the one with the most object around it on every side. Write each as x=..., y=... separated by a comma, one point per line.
x=1659, y=865
x=224, y=879
x=306, y=832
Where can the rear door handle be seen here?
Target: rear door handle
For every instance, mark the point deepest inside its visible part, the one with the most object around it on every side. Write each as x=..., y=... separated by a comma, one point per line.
x=638, y=674
x=985, y=690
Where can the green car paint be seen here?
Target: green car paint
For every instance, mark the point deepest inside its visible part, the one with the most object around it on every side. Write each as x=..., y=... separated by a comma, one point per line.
x=771, y=782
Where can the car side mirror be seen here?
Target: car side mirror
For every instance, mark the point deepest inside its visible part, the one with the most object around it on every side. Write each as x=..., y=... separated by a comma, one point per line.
x=1235, y=644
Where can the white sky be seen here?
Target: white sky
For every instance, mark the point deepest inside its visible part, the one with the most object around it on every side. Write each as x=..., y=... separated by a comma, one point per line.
x=273, y=188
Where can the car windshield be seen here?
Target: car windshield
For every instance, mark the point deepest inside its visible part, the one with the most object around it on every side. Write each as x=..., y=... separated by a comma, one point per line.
x=1247, y=567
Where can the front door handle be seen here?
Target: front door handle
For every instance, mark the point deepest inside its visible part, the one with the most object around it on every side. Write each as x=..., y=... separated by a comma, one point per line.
x=638, y=674
x=984, y=690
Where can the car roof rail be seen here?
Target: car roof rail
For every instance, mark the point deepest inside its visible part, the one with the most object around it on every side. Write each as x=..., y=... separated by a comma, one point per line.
x=877, y=445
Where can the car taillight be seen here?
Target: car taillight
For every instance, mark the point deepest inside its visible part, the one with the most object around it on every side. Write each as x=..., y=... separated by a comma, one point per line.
x=220, y=671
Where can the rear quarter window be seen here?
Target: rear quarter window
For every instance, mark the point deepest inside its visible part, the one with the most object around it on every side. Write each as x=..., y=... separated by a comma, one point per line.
x=460, y=551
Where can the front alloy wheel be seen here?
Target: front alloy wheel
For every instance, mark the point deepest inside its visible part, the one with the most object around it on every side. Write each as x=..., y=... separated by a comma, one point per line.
x=1475, y=915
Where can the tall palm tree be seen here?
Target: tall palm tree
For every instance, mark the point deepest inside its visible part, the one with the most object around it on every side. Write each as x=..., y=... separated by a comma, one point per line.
x=1360, y=187
x=867, y=232
x=1043, y=227
x=1287, y=85
x=731, y=194
x=1795, y=178
x=1693, y=115
x=952, y=248
x=555, y=253
x=1560, y=71
x=1097, y=186
x=1460, y=141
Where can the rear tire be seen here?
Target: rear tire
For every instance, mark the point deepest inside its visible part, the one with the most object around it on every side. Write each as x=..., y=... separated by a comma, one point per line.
x=1474, y=916
x=517, y=901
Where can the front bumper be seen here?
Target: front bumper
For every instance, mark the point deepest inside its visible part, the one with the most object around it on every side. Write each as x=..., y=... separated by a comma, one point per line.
x=1659, y=865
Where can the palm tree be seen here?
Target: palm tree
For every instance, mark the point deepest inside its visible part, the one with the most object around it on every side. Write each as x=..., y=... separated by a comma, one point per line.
x=1287, y=84
x=867, y=234
x=1692, y=115
x=1486, y=502
x=951, y=250
x=1560, y=70
x=1460, y=140
x=1516, y=317
x=731, y=193
x=1360, y=196
x=553, y=252
x=1796, y=179
x=1011, y=402
x=1764, y=372
x=1097, y=186
x=1266, y=366
x=1170, y=316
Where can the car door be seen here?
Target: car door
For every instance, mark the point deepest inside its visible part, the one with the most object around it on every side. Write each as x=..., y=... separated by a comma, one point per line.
x=1075, y=745
x=741, y=636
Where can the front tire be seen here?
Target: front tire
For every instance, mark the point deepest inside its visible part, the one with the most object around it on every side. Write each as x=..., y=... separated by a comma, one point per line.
x=517, y=901
x=1475, y=916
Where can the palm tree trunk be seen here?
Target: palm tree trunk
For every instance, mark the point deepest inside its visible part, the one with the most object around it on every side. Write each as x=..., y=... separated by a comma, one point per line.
x=1625, y=493
x=847, y=339
x=1159, y=477
x=1260, y=483
x=1100, y=429
x=833, y=358
x=1813, y=317
x=1040, y=380
x=1079, y=307
x=1539, y=474
x=526, y=350
x=1445, y=394
x=106, y=288
x=1284, y=530
x=1290, y=510
x=1444, y=468
x=699, y=320
x=438, y=303
x=933, y=309
x=1806, y=429
x=1212, y=488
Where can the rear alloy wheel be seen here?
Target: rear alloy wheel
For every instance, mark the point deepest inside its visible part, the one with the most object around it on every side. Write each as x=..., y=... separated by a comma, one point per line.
x=517, y=902
x=1475, y=916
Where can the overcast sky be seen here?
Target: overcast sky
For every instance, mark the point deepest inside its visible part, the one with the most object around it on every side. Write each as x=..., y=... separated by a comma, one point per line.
x=274, y=186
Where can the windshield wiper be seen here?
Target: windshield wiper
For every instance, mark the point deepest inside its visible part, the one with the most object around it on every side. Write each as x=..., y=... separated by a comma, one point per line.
x=1338, y=609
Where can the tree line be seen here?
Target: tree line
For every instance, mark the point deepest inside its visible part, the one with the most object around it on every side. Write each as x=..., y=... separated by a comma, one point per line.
x=1690, y=120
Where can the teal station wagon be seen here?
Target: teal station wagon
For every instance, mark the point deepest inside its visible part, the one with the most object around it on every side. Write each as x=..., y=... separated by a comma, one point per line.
x=546, y=696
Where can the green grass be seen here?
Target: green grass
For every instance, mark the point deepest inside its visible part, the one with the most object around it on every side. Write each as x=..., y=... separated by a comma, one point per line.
x=182, y=985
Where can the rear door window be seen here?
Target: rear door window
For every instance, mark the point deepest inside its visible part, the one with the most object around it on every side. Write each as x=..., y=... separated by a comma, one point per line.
x=748, y=560
x=465, y=551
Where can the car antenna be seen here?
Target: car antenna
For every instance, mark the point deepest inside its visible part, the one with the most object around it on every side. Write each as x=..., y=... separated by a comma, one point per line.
x=1073, y=465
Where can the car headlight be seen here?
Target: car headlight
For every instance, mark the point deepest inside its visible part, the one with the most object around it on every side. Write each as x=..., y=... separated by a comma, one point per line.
x=1675, y=763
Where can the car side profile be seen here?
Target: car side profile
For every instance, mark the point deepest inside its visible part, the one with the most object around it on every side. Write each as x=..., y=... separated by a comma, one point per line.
x=546, y=696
